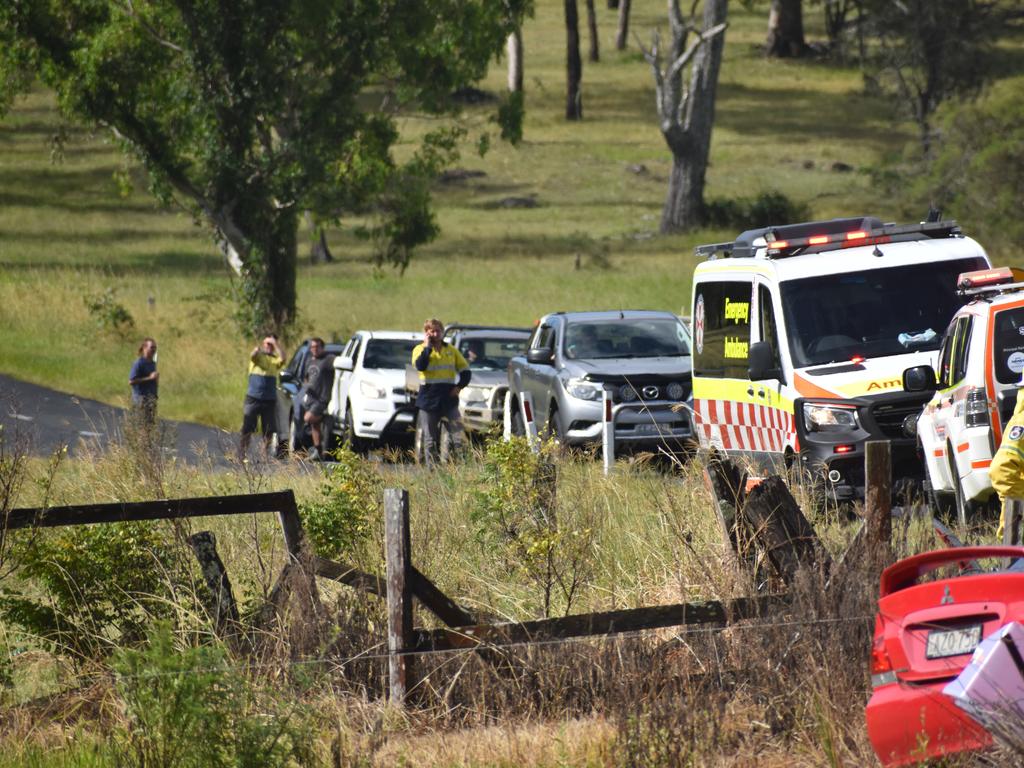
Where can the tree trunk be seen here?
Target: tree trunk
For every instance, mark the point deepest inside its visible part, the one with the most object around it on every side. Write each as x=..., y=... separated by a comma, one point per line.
x=613, y=4
x=573, y=63
x=687, y=120
x=786, y=29
x=514, y=49
x=684, y=205
x=595, y=52
x=268, y=248
x=623, y=32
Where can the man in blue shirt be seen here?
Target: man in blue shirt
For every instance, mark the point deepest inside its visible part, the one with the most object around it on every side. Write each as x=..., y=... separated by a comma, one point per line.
x=143, y=379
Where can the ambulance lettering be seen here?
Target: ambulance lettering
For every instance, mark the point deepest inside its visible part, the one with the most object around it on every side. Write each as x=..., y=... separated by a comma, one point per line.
x=737, y=311
x=736, y=348
x=890, y=384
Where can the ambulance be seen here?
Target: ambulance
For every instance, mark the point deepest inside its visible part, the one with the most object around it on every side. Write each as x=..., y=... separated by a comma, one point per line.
x=973, y=389
x=801, y=336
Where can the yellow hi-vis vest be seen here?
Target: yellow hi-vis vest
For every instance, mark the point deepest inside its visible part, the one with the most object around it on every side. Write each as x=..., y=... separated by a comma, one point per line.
x=444, y=367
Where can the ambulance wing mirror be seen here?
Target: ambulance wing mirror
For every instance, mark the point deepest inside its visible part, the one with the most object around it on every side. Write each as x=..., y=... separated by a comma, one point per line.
x=344, y=363
x=761, y=360
x=920, y=378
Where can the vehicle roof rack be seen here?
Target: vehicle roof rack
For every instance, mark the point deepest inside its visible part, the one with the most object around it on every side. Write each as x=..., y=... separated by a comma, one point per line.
x=816, y=236
x=466, y=327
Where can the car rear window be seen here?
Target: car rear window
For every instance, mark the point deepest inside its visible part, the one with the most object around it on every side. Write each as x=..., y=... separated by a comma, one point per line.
x=1008, y=343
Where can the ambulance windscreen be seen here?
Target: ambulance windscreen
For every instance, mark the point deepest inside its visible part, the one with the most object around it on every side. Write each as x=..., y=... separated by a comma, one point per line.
x=874, y=313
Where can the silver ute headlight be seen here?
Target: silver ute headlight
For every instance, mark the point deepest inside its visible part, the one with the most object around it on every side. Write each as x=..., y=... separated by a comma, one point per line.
x=819, y=417
x=371, y=390
x=584, y=390
x=675, y=391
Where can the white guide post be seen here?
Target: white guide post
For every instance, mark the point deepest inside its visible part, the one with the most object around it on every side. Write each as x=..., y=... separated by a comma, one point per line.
x=607, y=431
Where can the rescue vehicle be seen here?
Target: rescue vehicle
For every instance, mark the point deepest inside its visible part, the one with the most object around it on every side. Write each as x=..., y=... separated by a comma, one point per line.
x=801, y=335
x=973, y=389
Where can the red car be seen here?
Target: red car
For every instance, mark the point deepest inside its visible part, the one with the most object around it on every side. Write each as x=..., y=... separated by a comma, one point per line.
x=925, y=631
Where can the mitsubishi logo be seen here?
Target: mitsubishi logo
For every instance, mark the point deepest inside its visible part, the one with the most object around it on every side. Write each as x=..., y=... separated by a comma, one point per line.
x=650, y=392
x=947, y=598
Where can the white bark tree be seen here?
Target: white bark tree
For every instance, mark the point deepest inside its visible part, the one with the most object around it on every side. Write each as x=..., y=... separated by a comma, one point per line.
x=686, y=113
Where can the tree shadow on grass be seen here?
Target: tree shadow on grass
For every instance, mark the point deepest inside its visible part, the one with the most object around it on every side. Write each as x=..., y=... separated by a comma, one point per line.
x=169, y=262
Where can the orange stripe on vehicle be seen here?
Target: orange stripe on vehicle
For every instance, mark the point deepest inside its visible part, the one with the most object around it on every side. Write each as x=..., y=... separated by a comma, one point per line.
x=981, y=464
x=962, y=447
x=809, y=389
x=939, y=452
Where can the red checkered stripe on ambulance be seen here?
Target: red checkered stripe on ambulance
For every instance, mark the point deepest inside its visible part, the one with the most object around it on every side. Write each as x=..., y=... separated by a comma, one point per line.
x=737, y=426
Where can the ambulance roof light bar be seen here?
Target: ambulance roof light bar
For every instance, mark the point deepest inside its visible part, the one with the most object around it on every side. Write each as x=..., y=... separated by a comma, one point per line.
x=995, y=280
x=792, y=240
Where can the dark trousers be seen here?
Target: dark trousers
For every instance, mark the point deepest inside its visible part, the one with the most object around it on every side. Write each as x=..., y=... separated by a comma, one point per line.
x=430, y=428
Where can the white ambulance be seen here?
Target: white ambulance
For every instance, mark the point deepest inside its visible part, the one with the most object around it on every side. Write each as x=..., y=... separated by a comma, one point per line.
x=802, y=333
x=973, y=389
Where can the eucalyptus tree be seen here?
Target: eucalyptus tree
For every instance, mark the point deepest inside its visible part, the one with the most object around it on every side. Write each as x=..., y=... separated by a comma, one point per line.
x=249, y=112
x=686, y=109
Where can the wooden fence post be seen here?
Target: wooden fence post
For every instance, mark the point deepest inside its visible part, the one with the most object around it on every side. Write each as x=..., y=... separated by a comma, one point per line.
x=225, y=610
x=1012, y=513
x=399, y=581
x=878, y=501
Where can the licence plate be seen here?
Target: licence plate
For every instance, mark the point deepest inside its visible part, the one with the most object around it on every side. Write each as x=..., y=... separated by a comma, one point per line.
x=952, y=642
x=647, y=429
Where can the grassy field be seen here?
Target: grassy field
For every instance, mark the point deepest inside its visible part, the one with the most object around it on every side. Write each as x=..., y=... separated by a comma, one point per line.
x=71, y=231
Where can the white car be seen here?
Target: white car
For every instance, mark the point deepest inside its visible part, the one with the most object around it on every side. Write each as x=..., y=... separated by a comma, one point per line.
x=369, y=402
x=975, y=389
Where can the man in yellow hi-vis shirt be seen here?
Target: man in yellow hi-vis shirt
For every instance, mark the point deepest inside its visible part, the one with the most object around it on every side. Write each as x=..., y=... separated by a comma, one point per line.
x=443, y=373
x=1007, y=468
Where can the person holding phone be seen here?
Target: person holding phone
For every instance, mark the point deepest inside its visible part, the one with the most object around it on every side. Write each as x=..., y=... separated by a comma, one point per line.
x=265, y=363
x=443, y=373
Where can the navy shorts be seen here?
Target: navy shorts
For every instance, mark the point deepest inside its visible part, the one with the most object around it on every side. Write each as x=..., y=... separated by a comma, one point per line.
x=263, y=410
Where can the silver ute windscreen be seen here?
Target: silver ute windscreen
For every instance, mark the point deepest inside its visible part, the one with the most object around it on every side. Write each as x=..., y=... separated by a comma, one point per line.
x=639, y=337
x=874, y=313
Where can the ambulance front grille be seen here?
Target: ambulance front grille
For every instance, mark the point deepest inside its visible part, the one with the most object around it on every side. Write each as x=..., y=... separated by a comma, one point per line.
x=890, y=417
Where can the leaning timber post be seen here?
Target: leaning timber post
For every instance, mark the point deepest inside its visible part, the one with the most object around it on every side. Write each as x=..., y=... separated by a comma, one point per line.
x=1013, y=511
x=225, y=610
x=878, y=501
x=399, y=579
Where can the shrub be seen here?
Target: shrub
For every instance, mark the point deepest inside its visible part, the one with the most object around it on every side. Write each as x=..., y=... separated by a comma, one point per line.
x=771, y=207
x=189, y=707
x=350, y=499
x=516, y=515
x=102, y=586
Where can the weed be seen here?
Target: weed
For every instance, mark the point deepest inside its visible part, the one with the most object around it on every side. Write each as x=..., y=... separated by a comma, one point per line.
x=342, y=518
x=109, y=314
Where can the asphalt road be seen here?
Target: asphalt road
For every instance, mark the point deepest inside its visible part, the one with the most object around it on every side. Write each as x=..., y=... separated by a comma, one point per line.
x=47, y=419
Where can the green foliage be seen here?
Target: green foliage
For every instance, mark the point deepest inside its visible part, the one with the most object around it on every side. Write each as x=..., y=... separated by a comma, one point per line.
x=188, y=707
x=767, y=208
x=978, y=172
x=102, y=585
x=349, y=503
x=109, y=314
x=516, y=517
x=930, y=51
x=511, y=115
x=246, y=135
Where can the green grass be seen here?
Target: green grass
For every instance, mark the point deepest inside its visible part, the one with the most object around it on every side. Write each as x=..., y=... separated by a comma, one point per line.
x=68, y=233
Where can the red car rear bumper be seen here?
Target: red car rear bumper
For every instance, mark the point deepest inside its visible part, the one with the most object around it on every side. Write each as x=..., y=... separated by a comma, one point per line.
x=910, y=723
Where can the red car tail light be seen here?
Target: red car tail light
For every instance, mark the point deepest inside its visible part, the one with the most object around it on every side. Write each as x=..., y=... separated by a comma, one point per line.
x=881, y=665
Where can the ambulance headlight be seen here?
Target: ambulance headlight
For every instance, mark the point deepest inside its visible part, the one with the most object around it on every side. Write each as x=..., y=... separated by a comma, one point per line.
x=819, y=417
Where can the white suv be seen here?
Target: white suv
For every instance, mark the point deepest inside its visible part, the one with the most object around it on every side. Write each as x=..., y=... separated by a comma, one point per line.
x=980, y=362
x=369, y=400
